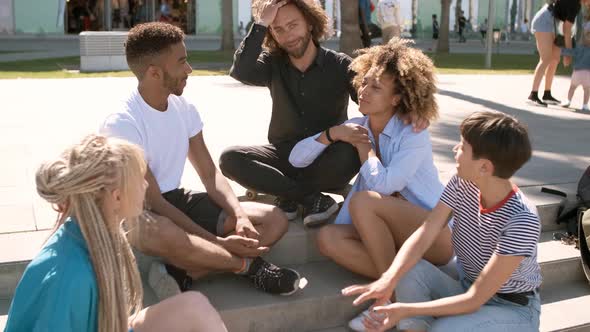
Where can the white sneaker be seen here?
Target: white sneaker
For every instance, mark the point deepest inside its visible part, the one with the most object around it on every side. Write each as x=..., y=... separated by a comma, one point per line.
x=585, y=108
x=162, y=283
x=566, y=104
x=356, y=324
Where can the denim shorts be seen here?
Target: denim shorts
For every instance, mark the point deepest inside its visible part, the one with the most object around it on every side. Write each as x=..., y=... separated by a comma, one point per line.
x=543, y=21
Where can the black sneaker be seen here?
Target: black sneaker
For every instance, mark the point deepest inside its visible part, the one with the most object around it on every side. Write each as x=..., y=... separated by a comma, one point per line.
x=167, y=281
x=185, y=282
x=288, y=206
x=534, y=100
x=273, y=279
x=317, y=209
x=548, y=99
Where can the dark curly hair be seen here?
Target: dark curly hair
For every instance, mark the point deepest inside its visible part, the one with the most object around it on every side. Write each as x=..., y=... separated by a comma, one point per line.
x=314, y=16
x=147, y=41
x=412, y=72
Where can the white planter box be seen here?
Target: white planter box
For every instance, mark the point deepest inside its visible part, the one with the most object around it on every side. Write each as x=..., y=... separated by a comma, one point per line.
x=102, y=51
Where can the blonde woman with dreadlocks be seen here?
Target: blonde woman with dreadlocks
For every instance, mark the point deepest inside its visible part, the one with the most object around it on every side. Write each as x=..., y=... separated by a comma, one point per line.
x=398, y=183
x=85, y=277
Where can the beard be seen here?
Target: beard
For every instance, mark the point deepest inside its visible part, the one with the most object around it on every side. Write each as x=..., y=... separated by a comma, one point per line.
x=174, y=85
x=300, y=51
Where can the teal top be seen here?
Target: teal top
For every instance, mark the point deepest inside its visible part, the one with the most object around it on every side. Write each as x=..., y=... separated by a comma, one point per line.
x=58, y=290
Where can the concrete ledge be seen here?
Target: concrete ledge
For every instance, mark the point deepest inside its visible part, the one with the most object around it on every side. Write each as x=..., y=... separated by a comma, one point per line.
x=319, y=305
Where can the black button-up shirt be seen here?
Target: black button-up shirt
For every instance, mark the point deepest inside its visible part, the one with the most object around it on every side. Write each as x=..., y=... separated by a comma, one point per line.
x=305, y=103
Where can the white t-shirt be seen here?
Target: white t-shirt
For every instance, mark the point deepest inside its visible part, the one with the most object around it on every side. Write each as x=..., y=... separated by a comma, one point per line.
x=164, y=136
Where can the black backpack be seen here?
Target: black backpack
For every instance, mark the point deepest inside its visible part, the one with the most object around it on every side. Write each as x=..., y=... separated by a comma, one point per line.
x=573, y=214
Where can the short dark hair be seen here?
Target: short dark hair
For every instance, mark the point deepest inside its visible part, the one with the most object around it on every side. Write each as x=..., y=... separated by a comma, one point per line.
x=314, y=15
x=433, y=15
x=500, y=138
x=149, y=40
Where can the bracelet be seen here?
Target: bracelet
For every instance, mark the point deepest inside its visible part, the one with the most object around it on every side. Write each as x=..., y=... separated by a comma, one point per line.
x=328, y=135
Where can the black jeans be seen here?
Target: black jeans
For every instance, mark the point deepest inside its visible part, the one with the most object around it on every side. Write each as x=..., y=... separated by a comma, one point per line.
x=266, y=169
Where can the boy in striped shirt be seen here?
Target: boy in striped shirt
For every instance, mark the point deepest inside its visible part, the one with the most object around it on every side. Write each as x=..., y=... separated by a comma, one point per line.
x=495, y=235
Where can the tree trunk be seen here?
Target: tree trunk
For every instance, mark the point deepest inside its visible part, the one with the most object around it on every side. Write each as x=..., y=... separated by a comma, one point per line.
x=227, y=26
x=350, y=38
x=443, y=36
x=414, y=18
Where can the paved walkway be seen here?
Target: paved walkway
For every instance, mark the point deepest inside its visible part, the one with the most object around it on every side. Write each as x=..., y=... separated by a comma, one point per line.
x=41, y=117
x=32, y=47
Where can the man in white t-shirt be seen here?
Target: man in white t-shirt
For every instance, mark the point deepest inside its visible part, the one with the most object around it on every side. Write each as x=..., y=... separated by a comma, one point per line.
x=389, y=18
x=195, y=233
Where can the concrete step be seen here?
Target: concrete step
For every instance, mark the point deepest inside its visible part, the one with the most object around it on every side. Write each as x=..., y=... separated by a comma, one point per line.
x=321, y=308
x=298, y=244
x=319, y=305
x=565, y=307
x=558, y=262
x=548, y=204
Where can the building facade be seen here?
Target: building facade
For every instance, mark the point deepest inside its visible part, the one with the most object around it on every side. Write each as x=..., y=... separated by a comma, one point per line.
x=203, y=17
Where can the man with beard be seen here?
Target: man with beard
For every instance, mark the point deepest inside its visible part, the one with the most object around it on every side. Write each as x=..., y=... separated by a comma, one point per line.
x=195, y=233
x=310, y=87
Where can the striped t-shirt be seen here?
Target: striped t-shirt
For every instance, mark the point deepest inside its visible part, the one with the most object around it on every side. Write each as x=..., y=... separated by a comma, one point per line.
x=511, y=228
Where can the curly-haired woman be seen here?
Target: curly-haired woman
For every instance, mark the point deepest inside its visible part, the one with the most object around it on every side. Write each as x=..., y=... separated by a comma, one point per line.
x=398, y=183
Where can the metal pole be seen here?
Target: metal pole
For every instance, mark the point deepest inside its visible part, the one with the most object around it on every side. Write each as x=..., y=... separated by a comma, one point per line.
x=108, y=16
x=490, y=33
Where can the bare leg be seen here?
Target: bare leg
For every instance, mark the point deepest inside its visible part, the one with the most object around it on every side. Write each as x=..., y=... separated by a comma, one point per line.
x=384, y=223
x=570, y=93
x=189, y=311
x=343, y=245
x=550, y=72
x=161, y=237
x=268, y=220
x=586, y=95
x=545, y=48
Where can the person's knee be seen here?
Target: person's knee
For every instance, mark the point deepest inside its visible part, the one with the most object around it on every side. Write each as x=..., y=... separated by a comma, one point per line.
x=412, y=282
x=360, y=203
x=545, y=60
x=229, y=161
x=161, y=237
x=196, y=301
x=277, y=221
x=325, y=240
x=270, y=218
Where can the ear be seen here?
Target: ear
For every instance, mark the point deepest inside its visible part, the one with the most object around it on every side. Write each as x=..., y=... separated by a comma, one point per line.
x=154, y=72
x=486, y=168
x=395, y=100
x=115, y=198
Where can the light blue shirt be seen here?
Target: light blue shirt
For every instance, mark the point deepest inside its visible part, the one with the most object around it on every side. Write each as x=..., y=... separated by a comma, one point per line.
x=406, y=165
x=58, y=290
x=581, y=56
